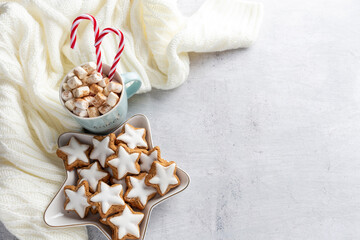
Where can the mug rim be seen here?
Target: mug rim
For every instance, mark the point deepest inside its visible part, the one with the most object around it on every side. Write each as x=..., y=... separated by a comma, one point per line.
x=116, y=77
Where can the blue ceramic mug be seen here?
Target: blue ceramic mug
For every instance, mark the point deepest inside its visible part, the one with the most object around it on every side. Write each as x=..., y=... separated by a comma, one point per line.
x=111, y=120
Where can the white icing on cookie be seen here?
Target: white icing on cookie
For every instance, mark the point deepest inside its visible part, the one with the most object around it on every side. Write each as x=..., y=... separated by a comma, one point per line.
x=108, y=196
x=75, y=150
x=93, y=175
x=127, y=223
x=101, y=150
x=124, y=163
x=146, y=160
x=78, y=201
x=164, y=177
x=133, y=137
x=140, y=190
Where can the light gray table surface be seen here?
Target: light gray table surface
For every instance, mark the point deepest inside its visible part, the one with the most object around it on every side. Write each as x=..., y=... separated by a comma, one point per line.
x=269, y=135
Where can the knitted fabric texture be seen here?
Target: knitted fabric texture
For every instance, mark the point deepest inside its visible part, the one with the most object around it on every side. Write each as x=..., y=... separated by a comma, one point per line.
x=35, y=55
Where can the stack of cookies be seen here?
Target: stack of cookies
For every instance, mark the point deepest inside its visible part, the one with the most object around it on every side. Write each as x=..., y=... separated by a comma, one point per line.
x=117, y=176
x=87, y=93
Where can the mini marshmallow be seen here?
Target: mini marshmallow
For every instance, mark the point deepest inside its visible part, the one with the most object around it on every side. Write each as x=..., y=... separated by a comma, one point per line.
x=94, y=89
x=93, y=112
x=99, y=99
x=114, y=87
x=70, y=75
x=89, y=99
x=80, y=112
x=84, y=80
x=74, y=82
x=80, y=72
x=81, y=103
x=81, y=91
x=89, y=67
x=112, y=99
x=94, y=78
x=105, y=108
x=66, y=95
x=103, y=82
x=66, y=87
x=106, y=92
x=70, y=104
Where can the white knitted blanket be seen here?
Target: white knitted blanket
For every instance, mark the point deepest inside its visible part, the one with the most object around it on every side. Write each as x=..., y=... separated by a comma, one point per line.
x=35, y=55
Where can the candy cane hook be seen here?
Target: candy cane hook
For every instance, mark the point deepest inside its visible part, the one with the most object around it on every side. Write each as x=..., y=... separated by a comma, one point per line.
x=120, y=48
x=74, y=27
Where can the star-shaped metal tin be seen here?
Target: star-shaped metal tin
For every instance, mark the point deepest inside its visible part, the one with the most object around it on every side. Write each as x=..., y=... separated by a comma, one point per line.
x=56, y=216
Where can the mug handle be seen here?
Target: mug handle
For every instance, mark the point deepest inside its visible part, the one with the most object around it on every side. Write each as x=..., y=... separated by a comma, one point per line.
x=136, y=83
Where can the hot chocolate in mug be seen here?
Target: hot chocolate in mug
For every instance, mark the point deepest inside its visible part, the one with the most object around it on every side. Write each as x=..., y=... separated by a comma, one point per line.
x=105, y=123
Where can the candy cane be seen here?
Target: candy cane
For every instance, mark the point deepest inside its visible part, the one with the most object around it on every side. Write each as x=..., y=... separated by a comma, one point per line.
x=120, y=48
x=74, y=27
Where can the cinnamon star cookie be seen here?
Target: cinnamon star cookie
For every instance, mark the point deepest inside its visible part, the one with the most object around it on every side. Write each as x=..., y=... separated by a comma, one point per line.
x=125, y=225
x=162, y=176
x=77, y=199
x=125, y=161
x=138, y=193
x=74, y=154
x=133, y=137
x=108, y=199
x=103, y=147
x=93, y=174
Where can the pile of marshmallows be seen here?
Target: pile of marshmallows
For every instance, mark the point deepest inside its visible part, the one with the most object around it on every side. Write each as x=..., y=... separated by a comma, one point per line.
x=86, y=93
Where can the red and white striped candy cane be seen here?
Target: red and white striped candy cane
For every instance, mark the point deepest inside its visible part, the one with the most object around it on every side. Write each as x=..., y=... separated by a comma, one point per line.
x=120, y=49
x=74, y=27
